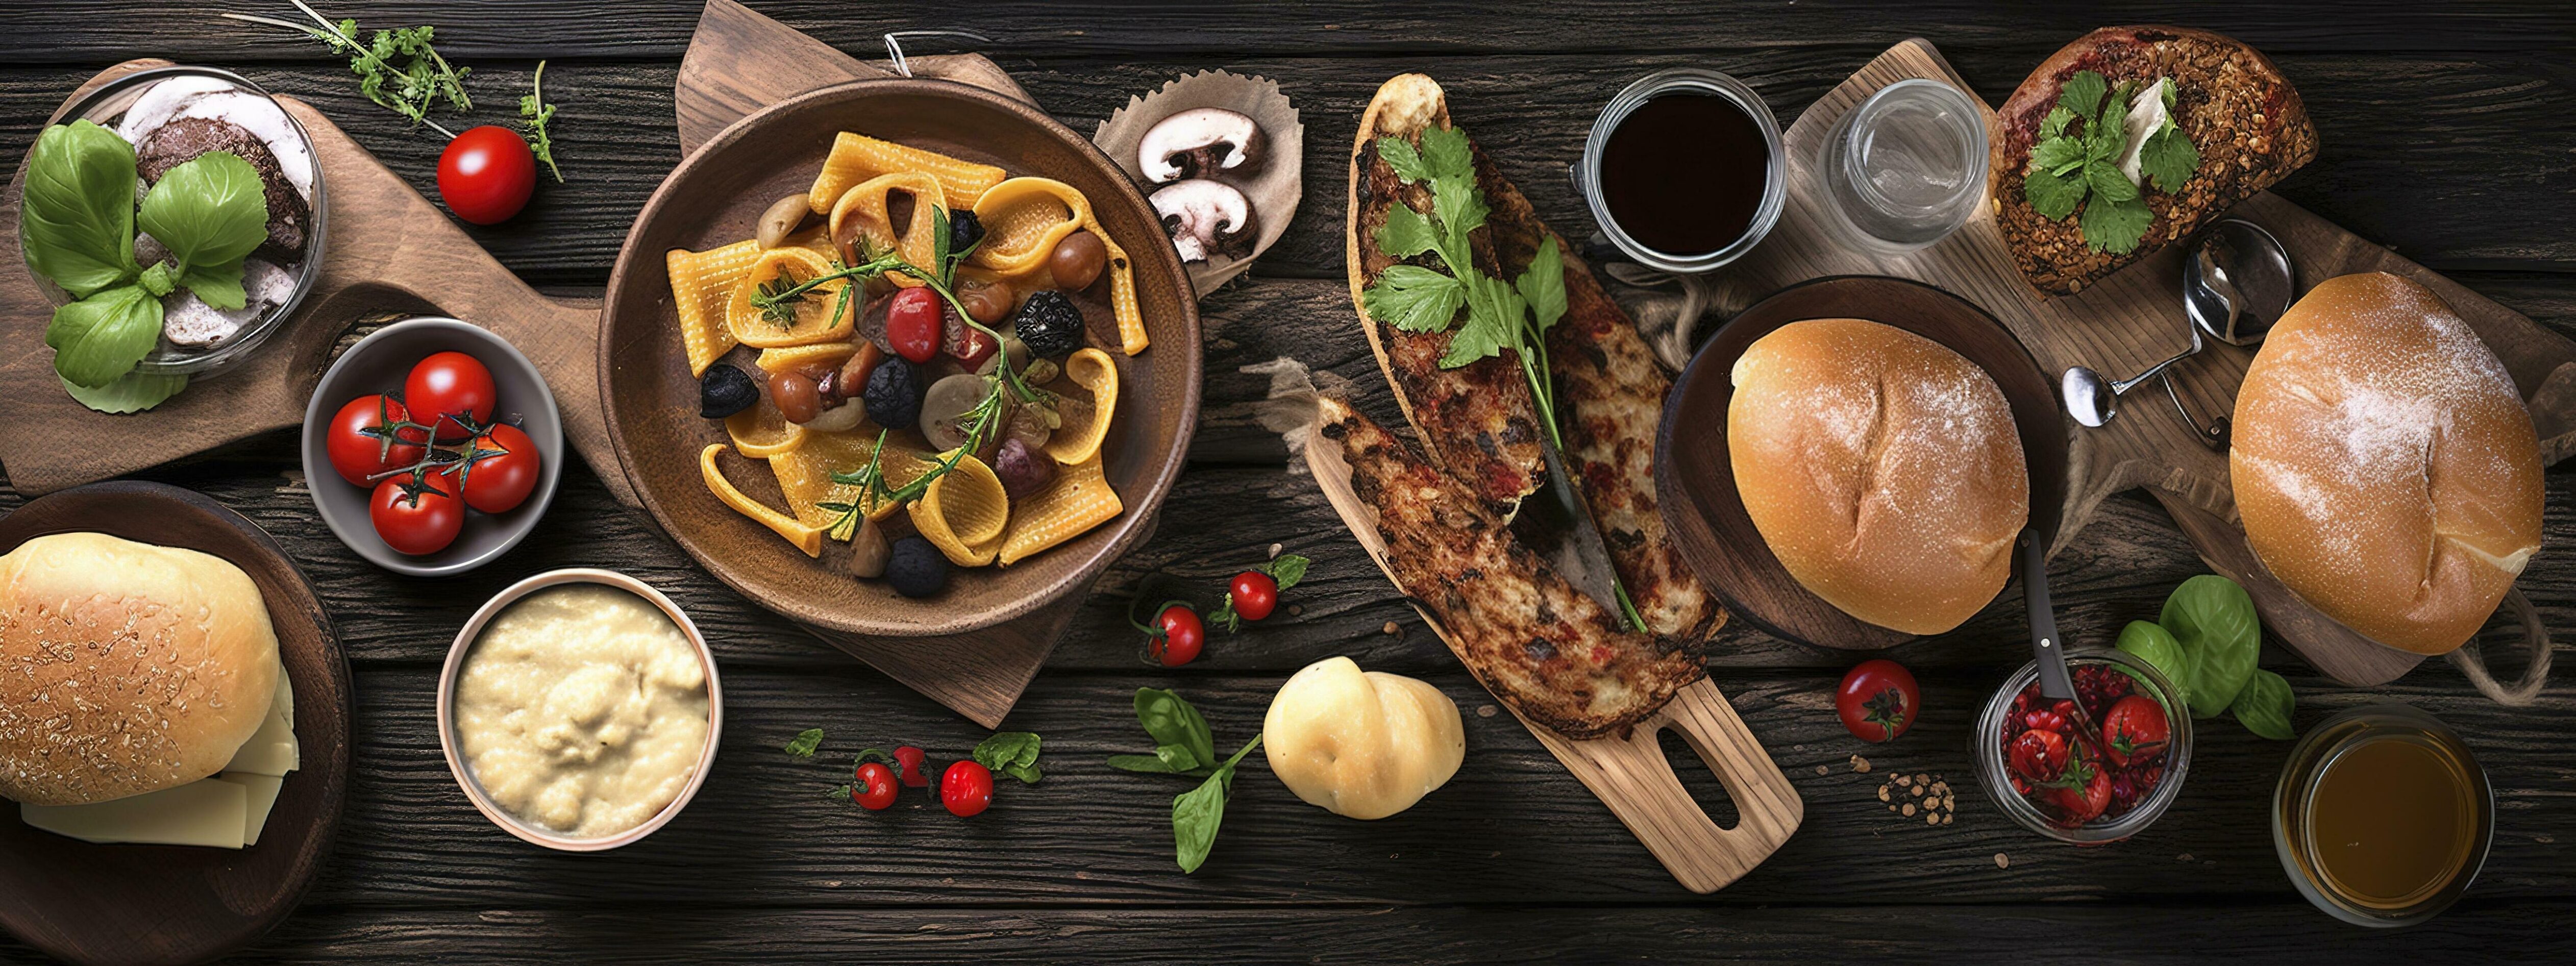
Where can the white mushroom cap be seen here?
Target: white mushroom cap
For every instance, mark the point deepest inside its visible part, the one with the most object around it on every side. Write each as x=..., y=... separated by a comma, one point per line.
x=1205, y=217
x=1197, y=143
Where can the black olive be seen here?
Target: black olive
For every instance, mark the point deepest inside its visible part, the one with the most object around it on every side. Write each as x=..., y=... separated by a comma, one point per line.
x=964, y=230
x=915, y=568
x=893, y=396
x=1050, y=324
x=724, y=391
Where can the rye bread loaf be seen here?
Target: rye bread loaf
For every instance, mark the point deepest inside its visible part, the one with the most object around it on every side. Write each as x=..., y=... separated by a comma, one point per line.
x=2234, y=105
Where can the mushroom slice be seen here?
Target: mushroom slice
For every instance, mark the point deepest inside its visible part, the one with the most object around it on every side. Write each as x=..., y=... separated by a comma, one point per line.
x=1199, y=143
x=1206, y=218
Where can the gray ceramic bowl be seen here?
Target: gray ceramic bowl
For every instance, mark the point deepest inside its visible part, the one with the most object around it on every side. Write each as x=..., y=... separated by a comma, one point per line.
x=377, y=364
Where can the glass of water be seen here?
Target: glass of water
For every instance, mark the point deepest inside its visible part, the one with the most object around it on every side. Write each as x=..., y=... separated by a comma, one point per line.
x=1905, y=168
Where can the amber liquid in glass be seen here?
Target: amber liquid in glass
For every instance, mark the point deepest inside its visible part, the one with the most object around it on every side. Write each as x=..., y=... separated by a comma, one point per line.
x=1684, y=174
x=2391, y=820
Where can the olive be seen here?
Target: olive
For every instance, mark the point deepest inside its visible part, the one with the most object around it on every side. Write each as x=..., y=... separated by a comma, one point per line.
x=1028, y=426
x=796, y=396
x=868, y=550
x=944, y=409
x=893, y=397
x=1018, y=352
x=987, y=303
x=724, y=391
x=1077, y=260
x=1050, y=324
x=852, y=380
x=964, y=230
x=915, y=568
x=1023, y=470
x=781, y=220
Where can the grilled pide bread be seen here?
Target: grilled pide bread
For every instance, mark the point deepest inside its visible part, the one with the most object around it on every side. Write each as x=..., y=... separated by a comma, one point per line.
x=1477, y=422
x=2245, y=125
x=1554, y=654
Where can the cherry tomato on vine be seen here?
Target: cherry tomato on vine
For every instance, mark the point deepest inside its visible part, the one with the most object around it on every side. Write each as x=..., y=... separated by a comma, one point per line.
x=875, y=787
x=916, y=323
x=357, y=453
x=1178, y=636
x=447, y=385
x=966, y=788
x=911, y=758
x=487, y=174
x=1254, y=594
x=1878, y=700
x=415, y=519
x=496, y=484
x=2135, y=727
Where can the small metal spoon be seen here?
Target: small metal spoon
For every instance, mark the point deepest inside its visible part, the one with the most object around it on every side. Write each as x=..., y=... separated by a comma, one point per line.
x=2236, y=283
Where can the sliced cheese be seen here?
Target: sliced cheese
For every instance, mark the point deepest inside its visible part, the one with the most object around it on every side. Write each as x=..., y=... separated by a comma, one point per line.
x=261, y=796
x=271, y=750
x=209, y=812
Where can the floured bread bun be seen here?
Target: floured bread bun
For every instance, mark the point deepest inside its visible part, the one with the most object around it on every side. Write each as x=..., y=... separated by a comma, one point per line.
x=1882, y=468
x=125, y=667
x=2384, y=465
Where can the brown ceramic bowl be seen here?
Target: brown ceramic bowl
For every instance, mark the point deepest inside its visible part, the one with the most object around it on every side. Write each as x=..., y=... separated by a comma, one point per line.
x=713, y=199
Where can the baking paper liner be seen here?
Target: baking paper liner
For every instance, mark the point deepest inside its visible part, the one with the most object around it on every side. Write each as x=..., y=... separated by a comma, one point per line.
x=1273, y=190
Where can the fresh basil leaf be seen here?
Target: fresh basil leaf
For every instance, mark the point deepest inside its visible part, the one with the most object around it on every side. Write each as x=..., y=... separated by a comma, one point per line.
x=2150, y=642
x=2215, y=621
x=1460, y=208
x=2116, y=226
x=1197, y=813
x=1414, y=299
x=1287, y=570
x=209, y=211
x=2057, y=155
x=1011, y=752
x=1143, y=763
x=803, y=745
x=217, y=285
x=2106, y=181
x=78, y=207
x=99, y=339
x=2053, y=195
x=1543, y=285
x=1406, y=233
x=2264, y=705
x=132, y=393
x=2168, y=157
x=2055, y=123
x=2083, y=93
x=1172, y=721
x=1446, y=154
x=1401, y=156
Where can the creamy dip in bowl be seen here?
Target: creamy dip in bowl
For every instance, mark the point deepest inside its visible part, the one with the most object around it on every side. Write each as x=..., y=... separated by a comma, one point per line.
x=579, y=709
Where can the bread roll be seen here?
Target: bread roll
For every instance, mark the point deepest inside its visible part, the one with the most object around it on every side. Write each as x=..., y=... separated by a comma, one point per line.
x=1882, y=468
x=2383, y=463
x=1364, y=744
x=125, y=667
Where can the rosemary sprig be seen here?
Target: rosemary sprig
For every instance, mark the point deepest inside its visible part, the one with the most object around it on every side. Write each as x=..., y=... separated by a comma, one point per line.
x=534, y=112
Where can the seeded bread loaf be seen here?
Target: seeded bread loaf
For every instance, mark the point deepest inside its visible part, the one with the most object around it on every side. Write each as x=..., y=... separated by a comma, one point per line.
x=2246, y=120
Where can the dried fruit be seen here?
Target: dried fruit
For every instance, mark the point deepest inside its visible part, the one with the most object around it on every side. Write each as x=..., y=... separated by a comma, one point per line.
x=1051, y=324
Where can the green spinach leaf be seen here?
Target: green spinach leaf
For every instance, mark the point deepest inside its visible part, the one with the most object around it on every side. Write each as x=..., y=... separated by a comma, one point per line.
x=79, y=208
x=2150, y=642
x=1013, y=753
x=132, y=393
x=97, y=340
x=2215, y=621
x=1173, y=721
x=1197, y=813
x=209, y=212
x=2264, y=705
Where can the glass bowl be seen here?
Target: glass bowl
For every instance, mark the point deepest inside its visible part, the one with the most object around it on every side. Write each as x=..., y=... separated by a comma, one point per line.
x=2292, y=804
x=1988, y=747
x=109, y=103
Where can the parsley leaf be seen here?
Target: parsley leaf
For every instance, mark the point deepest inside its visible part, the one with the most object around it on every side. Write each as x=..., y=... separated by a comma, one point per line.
x=1414, y=298
x=2073, y=170
x=1461, y=207
x=2107, y=182
x=1543, y=285
x=1486, y=333
x=2053, y=195
x=1401, y=156
x=2055, y=123
x=2168, y=157
x=805, y=743
x=1445, y=150
x=2115, y=226
x=2083, y=93
x=1406, y=233
x=2057, y=156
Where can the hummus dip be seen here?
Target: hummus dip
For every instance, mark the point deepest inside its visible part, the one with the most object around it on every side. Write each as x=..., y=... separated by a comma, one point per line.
x=582, y=709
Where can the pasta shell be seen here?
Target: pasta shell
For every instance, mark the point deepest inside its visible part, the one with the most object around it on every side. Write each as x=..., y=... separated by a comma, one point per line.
x=1086, y=410
x=964, y=512
x=761, y=432
x=806, y=537
x=828, y=313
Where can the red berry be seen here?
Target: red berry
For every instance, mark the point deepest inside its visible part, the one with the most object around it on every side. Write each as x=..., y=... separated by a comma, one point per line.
x=967, y=789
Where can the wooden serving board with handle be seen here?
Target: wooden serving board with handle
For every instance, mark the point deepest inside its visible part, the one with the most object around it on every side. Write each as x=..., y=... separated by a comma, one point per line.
x=389, y=249
x=1630, y=774
x=2127, y=322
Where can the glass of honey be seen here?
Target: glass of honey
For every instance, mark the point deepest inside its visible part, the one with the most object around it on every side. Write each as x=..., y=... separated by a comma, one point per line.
x=1683, y=170
x=2382, y=816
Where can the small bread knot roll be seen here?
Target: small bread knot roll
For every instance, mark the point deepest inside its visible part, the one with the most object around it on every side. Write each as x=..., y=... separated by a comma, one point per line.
x=1362, y=744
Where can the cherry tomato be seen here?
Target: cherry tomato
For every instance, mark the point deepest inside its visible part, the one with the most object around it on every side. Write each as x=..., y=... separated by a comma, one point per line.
x=968, y=345
x=916, y=323
x=967, y=789
x=486, y=174
x=912, y=758
x=1254, y=594
x=1076, y=261
x=1878, y=700
x=875, y=788
x=2039, y=756
x=2082, y=792
x=447, y=385
x=416, y=521
x=496, y=484
x=358, y=454
x=2135, y=727
x=1181, y=636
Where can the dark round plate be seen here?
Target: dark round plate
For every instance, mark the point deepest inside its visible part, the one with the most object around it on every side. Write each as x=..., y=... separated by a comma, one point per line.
x=1695, y=481
x=168, y=903
x=714, y=197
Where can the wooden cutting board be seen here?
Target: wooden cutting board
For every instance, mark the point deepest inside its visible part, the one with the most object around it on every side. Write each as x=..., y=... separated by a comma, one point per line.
x=2127, y=322
x=392, y=250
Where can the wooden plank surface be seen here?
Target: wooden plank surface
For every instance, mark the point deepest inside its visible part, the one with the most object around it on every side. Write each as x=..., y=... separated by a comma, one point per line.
x=2450, y=133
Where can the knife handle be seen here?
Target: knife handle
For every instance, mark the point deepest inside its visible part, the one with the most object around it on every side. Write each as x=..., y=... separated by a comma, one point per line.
x=2045, y=645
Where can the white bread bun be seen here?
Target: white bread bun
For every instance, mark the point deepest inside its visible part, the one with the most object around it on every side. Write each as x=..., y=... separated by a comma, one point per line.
x=125, y=667
x=1882, y=468
x=2383, y=463
x=1363, y=744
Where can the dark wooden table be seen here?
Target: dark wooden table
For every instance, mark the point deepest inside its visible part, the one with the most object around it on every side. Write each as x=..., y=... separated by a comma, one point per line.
x=2450, y=134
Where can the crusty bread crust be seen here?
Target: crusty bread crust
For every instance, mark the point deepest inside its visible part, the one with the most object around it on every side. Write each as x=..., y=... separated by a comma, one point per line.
x=2234, y=104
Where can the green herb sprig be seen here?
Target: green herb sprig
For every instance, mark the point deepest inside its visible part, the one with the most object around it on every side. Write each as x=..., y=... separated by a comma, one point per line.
x=424, y=79
x=2071, y=167
x=1284, y=571
x=1186, y=746
x=1013, y=753
x=534, y=112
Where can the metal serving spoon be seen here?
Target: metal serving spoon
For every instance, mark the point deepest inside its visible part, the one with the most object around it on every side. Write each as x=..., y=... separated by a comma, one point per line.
x=2236, y=283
